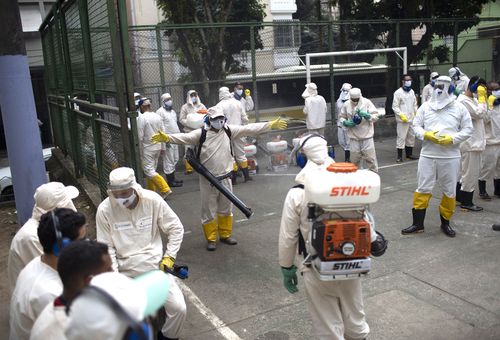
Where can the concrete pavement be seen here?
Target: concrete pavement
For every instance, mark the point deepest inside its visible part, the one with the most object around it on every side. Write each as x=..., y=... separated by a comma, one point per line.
x=426, y=286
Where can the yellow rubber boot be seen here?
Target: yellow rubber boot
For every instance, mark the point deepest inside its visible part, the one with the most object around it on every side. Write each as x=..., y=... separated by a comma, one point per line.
x=189, y=168
x=162, y=185
x=447, y=207
x=421, y=200
x=150, y=185
x=210, y=231
x=244, y=169
x=226, y=229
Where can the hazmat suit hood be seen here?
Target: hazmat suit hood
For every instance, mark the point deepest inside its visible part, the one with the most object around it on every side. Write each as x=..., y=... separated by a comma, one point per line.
x=53, y=195
x=120, y=179
x=355, y=93
x=310, y=91
x=165, y=96
x=316, y=151
x=188, y=98
x=344, y=91
x=224, y=93
x=455, y=73
x=441, y=97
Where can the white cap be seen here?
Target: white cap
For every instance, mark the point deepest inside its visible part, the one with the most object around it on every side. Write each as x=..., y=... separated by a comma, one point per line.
x=434, y=75
x=315, y=148
x=92, y=318
x=346, y=87
x=121, y=178
x=144, y=101
x=355, y=93
x=214, y=112
x=443, y=79
x=224, y=93
x=310, y=91
x=53, y=195
x=137, y=94
x=453, y=71
x=165, y=97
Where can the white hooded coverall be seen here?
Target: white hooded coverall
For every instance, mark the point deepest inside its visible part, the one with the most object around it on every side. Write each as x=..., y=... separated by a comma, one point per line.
x=148, y=124
x=314, y=109
x=361, y=136
x=441, y=163
x=491, y=156
x=342, y=136
x=216, y=156
x=472, y=148
x=426, y=93
x=189, y=108
x=246, y=102
x=336, y=307
x=171, y=154
x=235, y=115
x=38, y=285
x=404, y=103
x=135, y=245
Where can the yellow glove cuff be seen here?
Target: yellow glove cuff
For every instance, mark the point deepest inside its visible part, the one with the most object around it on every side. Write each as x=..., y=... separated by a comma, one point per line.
x=167, y=263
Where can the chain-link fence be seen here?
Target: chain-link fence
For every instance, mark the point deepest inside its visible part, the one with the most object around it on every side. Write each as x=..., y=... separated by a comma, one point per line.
x=95, y=62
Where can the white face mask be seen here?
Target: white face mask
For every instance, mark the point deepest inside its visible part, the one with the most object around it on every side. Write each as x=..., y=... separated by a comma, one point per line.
x=126, y=202
x=496, y=93
x=217, y=124
x=194, y=100
x=239, y=92
x=407, y=83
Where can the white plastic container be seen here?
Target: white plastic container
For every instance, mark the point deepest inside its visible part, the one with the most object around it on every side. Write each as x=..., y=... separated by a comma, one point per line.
x=276, y=147
x=194, y=120
x=335, y=187
x=250, y=150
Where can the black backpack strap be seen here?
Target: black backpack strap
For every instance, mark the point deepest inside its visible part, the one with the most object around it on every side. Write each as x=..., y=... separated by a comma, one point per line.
x=228, y=133
x=302, y=241
x=203, y=137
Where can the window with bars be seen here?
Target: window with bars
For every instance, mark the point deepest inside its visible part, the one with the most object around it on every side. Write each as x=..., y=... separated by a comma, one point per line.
x=286, y=35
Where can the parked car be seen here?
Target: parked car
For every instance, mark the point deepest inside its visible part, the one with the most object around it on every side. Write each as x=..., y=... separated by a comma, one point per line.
x=6, y=188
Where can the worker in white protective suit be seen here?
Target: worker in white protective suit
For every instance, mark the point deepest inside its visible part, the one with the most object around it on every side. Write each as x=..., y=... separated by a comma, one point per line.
x=92, y=258
x=429, y=88
x=472, y=149
x=490, y=167
x=170, y=154
x=404, y=105
x=148, y=124
x=341, y=129
x=192, y=106
x=442, y=123
x=314, y=109
x=243, y=96
x=358, y=116
x=129, y=221
x=38, y=283
x=25, y=245
x=460, y=80
x=116, y=307
x=336, y=307
x=215, y=154
x=235, y=115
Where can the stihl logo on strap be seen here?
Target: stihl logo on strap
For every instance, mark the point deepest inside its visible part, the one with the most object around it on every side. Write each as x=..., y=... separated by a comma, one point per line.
x=350, y=191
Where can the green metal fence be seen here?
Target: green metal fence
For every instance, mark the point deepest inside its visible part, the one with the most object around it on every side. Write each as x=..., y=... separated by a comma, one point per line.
x=95, y=61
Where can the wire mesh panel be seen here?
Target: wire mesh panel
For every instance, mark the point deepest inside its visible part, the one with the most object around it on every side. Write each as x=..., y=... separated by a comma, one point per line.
x=55, y=118
x=87, y=147
x=75, y=46
x=66, y=130
x=112, y=150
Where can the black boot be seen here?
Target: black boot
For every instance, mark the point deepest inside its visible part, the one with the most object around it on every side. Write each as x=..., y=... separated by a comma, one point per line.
x=234, y=175
x=495, y=227
x=446, y=228
x=496, y=183
x=400, y=156
x=458, y=193
x=246, y=174
x=418, y=222
x=482, y=190
x=409, y=153
x=347, y=156
x=172, y=182
x=379, y=246
x=467, y=203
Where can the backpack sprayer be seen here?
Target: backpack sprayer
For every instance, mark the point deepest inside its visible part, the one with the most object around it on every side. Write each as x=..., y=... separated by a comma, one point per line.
x=338, y=199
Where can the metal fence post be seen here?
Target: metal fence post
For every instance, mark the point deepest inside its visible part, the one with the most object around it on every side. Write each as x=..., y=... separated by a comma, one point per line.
x=398, y=61
x=455, y=43
x=160, y=58
x=254, y=73
x=332, y=76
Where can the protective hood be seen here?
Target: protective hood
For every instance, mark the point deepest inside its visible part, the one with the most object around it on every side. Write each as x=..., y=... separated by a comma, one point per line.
x=165, y=96
x=344, y=91
x=353, y=94
x=455, y=73
x=316, y=151
x=310, y=91
x=224, y=93
x=441, y=97
x=188, y=98
x=120, y=179
x=53, y=195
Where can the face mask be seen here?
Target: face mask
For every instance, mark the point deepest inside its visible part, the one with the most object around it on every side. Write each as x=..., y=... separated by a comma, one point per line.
x=433, y=82
x=194, y=100
x=407, y=83
x=239, y=92
x=126, y=202
x=474, y=95
x=167, y=104
x=496, y=93
x=354, y=101
x=217, y=124
x=439, y=92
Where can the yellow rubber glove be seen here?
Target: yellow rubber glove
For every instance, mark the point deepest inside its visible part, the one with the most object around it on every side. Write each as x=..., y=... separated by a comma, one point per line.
x=160, y=137
x=431, y=136
x=481, y=94
x=445, y=140
x=167, y=263
x=247, y=92
x=278, y=124
x=403, y=117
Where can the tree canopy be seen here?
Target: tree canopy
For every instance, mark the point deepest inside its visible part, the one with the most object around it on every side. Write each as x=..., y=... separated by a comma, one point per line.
x=209, y=52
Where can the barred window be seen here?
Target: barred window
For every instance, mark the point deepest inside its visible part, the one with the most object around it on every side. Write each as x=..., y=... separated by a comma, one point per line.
x=286, y=35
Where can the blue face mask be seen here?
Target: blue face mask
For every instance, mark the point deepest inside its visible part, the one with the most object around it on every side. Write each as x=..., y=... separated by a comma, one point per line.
x=433, y=82
x=407, y=85
x=167, y=105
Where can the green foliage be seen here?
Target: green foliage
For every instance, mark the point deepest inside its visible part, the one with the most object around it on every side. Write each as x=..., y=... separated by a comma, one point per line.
x=441, y=53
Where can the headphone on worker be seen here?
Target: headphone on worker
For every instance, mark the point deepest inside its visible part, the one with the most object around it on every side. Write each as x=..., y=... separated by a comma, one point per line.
x=300, y=157
x=473, y=87
x=61, y=241
x=136, y=330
